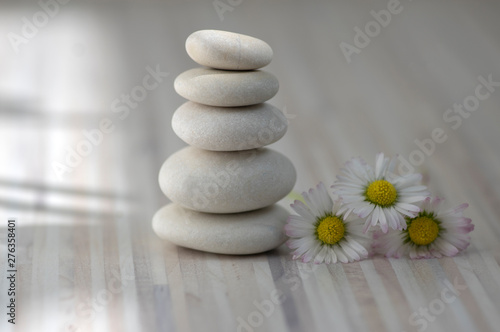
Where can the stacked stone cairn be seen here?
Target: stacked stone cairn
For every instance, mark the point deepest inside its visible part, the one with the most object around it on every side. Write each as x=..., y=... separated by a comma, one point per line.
x=225, y=184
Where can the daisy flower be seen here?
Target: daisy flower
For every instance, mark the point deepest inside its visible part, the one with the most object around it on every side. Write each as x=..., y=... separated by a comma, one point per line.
x=377, y=194
x=429, y=234
x=321, y=233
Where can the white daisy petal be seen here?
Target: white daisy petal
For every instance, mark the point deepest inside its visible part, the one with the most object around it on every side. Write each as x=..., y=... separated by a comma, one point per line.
x=294, y=231
x=392, y=165
x=322, y=201
x=446, y=248
x=322, y=233
x=409, y=179
x=434, y=203
x=340, y=255
x=377, y=194
x=392, y=219
x=332, y=257
x=362, y=251
x=458, y=210
x=326, y=200
x=414, y=189
x=404, y=211
x=379, y=161
x=383, y=222
x=367, y=225
x=301, y=243
x=345, y=210
x=408, y=207
x=311, y=203
x=375, y=215
x=459, y=242
x=300, y=221
x=401, y=251
x=303, y=211
x=365, y=210
x=413, y=253
x=350, y=253
x=320, y=257
x=392, y=242
x=310, y=254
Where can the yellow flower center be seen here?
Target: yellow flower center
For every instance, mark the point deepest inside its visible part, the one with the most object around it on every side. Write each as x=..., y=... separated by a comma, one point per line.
x=330, y=230
x=381, y=192
x=423, y=230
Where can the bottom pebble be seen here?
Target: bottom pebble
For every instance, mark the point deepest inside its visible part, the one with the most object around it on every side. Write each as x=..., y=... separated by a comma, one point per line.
x=235, y=234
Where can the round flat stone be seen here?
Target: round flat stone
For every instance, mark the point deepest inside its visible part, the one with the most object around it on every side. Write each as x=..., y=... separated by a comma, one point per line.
x=228, y=50
x=226, y=88
x=226, y=182
x=229, y=129
x=237, y=233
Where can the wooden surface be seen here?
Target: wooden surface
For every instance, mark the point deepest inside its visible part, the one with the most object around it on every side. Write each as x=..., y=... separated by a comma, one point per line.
x=87, y=257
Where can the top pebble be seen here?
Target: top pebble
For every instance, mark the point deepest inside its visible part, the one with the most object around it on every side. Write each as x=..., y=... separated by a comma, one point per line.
x=228, y=50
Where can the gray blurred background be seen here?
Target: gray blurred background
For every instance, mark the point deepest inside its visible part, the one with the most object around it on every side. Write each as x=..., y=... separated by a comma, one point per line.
x=67, y=67
x=64, y=77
